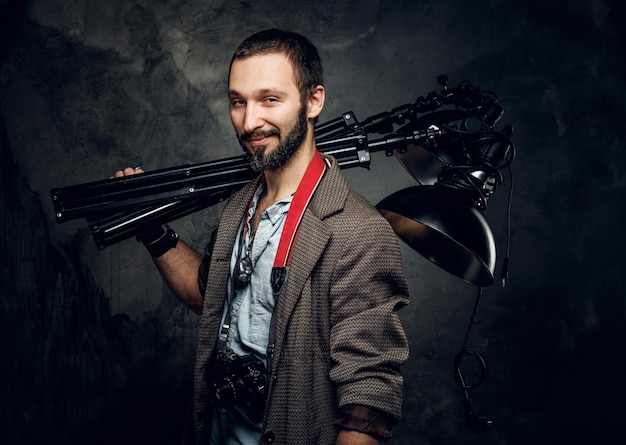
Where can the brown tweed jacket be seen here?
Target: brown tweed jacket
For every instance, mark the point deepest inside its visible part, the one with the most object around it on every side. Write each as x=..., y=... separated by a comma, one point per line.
x=338, y=337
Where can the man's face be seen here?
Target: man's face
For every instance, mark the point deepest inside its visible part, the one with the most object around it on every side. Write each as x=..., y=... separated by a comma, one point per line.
x=266, y=110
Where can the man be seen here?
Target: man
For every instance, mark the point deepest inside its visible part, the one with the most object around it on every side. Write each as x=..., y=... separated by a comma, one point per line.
x=299, y=340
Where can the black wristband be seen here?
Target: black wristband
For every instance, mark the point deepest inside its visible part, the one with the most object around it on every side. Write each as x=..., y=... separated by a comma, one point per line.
x=160, y=241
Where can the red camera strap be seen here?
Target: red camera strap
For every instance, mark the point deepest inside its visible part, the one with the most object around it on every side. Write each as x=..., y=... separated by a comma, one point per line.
x=301, y=198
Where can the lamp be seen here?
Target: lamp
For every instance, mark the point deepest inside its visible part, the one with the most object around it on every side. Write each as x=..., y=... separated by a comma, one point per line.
x=454, y=154
x=442, y=218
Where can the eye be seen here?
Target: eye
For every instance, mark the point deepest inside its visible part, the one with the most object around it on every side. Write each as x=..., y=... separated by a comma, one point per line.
x=270, y=100
x=234, y=103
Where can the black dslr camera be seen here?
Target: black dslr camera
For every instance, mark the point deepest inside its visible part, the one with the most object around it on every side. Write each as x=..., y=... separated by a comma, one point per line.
x=240, y=381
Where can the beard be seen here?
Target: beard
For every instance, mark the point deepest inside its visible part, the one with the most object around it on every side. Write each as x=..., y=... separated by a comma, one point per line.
x=262, y=160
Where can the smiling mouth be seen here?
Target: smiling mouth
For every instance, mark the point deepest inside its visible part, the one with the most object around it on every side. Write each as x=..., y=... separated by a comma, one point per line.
x=258, y=139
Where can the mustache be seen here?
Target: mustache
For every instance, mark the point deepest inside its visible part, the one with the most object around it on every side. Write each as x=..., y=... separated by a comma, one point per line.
x=258, y=134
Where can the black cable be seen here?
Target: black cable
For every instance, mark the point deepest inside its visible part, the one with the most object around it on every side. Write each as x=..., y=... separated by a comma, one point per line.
x=504, y=274
x=464, y=351
x=476, y=423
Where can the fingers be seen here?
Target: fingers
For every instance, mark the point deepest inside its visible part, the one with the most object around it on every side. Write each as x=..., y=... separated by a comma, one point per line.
x=127, y=172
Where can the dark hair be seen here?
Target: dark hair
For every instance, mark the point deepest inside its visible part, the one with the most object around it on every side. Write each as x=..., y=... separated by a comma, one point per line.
x=299, y=50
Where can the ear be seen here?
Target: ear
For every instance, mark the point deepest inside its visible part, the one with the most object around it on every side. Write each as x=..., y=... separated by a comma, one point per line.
x=316, y=102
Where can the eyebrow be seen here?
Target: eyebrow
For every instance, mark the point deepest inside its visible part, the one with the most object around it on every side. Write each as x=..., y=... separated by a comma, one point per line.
x=262, y=92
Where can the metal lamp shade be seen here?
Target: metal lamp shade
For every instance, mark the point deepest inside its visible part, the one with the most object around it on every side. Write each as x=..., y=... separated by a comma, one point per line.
x=445, y=229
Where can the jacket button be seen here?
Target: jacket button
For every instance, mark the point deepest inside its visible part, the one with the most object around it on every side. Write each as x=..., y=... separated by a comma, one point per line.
x=269, y=437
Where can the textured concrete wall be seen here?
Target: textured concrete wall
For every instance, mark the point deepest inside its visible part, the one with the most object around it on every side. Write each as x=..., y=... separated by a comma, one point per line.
x=96, y=350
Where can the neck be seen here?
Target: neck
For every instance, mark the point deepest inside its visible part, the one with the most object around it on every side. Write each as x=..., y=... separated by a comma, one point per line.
x=282, y=183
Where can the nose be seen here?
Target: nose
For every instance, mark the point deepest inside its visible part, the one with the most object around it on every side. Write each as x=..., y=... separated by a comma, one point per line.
x=252, y=118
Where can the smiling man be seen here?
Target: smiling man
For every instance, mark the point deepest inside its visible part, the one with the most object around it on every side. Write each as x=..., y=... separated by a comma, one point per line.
x=259, y=118
x=299, y=287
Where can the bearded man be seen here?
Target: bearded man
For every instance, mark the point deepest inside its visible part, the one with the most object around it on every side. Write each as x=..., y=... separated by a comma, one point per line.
x=299, y=287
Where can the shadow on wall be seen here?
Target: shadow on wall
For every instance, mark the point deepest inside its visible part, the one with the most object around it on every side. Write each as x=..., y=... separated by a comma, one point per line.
x=11, y=13
x=71, y=372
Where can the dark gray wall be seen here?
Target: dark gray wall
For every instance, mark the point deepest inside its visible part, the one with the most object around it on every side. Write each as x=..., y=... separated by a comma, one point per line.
x=96, y=350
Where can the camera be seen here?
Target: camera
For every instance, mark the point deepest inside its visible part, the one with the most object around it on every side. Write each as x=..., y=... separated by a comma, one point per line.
x=241, y=381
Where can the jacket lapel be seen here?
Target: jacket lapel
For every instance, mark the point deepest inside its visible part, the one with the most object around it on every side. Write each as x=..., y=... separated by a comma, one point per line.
x=217, y=283
x=310, y=245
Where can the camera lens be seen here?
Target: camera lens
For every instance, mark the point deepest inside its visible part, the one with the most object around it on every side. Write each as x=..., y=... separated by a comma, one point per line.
x=240, y=381
x=227, y=392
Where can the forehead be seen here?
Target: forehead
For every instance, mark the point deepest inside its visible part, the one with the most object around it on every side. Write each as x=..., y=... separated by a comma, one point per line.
x=262, y=72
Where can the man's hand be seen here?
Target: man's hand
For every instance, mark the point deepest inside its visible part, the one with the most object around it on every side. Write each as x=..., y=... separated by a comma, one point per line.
x=127, y=172
x=350, y=437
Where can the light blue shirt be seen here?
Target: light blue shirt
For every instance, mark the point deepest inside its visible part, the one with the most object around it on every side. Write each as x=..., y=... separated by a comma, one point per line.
x=251, y=312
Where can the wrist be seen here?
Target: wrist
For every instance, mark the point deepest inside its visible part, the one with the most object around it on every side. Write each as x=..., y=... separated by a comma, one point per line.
x=364, y=419
x=158, y=239
x=351, y=437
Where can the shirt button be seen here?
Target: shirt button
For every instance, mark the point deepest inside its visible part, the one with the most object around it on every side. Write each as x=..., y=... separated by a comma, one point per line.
x=269, y=437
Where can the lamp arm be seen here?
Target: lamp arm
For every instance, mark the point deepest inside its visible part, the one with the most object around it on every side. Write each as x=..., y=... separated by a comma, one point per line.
x=115, y=220
x=96, y=198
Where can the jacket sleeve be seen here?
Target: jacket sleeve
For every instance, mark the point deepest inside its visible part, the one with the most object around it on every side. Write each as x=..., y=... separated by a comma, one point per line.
x=203, y=270
x=368, y=343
